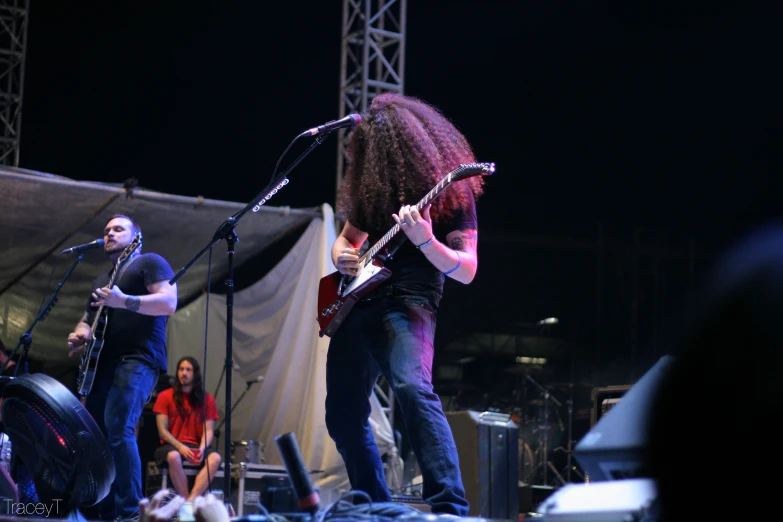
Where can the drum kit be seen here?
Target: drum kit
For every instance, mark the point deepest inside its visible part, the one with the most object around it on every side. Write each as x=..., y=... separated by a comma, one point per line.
x=541, y=433
x=247, y=451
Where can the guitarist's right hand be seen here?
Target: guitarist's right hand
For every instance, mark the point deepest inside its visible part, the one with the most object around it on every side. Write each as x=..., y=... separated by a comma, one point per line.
x=348, y=261
x=76, y=342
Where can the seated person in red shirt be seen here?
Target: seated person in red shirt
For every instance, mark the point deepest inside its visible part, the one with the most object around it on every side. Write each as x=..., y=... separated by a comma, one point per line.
x=186, y=429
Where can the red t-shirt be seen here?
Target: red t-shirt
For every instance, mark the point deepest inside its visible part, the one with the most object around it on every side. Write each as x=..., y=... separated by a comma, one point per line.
x=186, y=424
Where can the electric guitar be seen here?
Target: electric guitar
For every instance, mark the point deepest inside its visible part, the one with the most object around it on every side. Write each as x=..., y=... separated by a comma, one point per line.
x=338, y=293
x=89, y=362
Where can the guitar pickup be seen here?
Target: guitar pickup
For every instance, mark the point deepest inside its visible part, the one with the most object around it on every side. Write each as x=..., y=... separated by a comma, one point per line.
x=329, y=310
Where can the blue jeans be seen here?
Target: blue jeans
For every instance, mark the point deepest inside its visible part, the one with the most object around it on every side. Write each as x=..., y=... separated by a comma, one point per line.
x=115, y=402
x=392, y=336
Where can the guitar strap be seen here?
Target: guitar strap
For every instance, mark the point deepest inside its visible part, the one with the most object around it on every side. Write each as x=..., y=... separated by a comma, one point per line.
x=393, y=246
x=124, y=267
x=122, y=270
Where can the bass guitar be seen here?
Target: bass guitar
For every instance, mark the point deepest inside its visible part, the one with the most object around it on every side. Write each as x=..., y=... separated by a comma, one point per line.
x=89, y=361
x=338, y=293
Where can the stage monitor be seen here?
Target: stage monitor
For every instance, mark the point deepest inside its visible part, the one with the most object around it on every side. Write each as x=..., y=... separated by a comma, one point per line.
x=614, y=448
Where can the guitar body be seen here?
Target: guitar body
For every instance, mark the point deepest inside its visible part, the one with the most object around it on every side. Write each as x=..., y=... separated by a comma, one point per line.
x=89, y=363
x=336, y=299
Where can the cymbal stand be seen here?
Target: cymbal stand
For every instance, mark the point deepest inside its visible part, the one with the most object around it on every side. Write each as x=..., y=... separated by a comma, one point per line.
x=570, y=446
x=547, y=397
x=570, y=403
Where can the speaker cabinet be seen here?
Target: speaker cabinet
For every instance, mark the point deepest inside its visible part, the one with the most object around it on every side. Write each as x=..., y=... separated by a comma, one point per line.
x=604, y=399
x=488, y=455
x=614, y=448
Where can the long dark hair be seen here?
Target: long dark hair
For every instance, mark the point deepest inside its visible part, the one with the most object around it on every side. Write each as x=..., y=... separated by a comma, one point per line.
x=196, y=391
x=399, y=151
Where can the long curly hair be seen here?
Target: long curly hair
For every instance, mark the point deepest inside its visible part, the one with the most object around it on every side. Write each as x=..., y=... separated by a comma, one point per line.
x=402, y=148
x=196, y=391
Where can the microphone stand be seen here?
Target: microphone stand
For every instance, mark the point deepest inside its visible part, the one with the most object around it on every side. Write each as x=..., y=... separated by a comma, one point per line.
x=547, y=397
x=570, y=403
x=226, y=232
x=220, y=380
x=26, y=339
x=217, y=430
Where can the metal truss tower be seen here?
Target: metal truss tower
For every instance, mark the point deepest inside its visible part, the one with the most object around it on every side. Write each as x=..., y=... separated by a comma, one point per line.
x=13, y=43
x=372, y=59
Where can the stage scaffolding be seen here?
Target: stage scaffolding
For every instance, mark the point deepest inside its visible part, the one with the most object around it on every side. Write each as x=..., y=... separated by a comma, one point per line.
x=13, y=43
x=372, y=58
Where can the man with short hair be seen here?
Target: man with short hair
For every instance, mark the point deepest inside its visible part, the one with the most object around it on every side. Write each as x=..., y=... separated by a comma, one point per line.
x=129, y=343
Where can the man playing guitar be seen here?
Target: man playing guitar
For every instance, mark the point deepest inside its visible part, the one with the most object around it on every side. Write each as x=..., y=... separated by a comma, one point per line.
x=399, y=151
x=129, y=318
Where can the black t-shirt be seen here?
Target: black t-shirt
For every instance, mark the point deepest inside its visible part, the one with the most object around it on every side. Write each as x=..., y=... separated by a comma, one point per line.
x=412, y=272
x=131, y=334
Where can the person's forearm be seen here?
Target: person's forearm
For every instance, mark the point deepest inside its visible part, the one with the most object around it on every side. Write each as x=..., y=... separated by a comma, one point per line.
x=447, y=259
x=207, y=439
x=152, y=304
x=169, y=438
x=83, y=328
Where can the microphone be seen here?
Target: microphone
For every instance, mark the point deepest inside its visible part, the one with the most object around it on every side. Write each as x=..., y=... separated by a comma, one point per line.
x=307, y=496
x=348, y=121
x=98, y=243
x=260, y=378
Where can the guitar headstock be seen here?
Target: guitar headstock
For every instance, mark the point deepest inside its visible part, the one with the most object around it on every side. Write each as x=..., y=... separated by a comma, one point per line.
x=132, y=247
x=468, y=170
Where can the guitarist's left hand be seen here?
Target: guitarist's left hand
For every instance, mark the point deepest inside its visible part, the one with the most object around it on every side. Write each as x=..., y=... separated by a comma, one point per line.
x=417, y=226
x=110, y=297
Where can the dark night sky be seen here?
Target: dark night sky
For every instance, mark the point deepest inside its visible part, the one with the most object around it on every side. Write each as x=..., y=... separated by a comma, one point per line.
x=654, y=115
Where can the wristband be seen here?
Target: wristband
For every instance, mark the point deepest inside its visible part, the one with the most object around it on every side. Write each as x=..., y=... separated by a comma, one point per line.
x=459, y=262
x=426, y=243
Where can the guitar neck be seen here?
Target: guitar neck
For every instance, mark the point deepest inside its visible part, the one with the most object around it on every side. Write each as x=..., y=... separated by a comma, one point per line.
x=95, y=321
x=112, y=279
x=393, y=231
